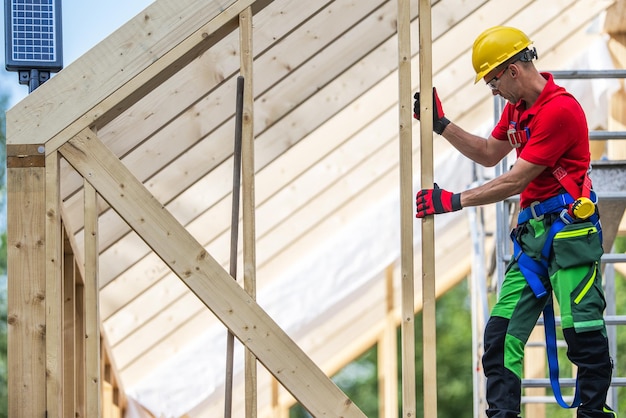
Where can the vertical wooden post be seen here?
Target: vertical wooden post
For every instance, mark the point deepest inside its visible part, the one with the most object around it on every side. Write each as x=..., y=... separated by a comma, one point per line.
x=26, y=255
x=70, y=358
x=81, y=379
x=406, y=210
x=54, y=290
x=429, y=333
x=93, y=369
x=248, y=201
x=387, y=357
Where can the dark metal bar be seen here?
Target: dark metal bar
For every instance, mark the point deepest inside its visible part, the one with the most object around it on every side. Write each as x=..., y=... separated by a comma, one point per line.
x=234, y=234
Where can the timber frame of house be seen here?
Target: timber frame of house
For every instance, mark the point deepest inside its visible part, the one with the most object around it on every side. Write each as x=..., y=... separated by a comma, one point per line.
x=60, y=362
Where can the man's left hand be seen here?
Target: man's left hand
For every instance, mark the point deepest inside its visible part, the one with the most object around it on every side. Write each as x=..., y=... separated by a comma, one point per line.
x=439, y=118
x=435, y=201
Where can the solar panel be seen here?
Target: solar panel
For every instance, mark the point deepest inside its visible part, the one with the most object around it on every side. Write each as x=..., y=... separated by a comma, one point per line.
x=33, y=35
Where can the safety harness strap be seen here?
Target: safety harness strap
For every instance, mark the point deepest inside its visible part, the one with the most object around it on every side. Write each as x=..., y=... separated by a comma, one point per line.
x=533, y=270
x=570, y=185
x=537, y=210
x=549, y=327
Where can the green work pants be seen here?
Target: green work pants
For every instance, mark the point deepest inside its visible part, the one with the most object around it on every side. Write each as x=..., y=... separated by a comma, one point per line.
x=576, y=282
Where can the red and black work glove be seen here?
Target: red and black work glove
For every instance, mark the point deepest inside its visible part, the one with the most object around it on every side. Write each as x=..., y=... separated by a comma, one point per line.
x=434, y=201
x=439, y=120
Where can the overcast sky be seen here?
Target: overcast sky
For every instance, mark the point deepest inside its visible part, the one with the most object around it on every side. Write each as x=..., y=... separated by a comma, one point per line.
x=85, y=23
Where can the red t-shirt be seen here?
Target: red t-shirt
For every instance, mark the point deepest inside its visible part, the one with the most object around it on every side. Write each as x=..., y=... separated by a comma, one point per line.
x=557, y=135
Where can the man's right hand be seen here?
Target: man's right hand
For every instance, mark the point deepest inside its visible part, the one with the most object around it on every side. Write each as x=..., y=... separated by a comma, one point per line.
x=434, y=201
x=439, y=120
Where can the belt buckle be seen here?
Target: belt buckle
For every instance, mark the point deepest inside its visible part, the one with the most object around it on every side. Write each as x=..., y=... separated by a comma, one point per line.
x=517, y=138
x=565, y=217
x=532, y=210
x=511, y=136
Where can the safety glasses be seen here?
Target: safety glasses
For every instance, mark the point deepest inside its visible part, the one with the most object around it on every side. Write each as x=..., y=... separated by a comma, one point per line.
x=492, y=83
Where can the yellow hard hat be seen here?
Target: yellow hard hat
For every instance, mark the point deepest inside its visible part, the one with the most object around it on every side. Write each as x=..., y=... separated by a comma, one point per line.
x=494, y=46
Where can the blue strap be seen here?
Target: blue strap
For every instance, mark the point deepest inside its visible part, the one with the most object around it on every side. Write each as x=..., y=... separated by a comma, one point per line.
x=556, y=226
x=553, y=358
x=533, y=270
x=595, y=220
x=551, y=205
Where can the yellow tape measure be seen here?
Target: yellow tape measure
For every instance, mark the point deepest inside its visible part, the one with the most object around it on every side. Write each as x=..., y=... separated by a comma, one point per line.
x=583, y=208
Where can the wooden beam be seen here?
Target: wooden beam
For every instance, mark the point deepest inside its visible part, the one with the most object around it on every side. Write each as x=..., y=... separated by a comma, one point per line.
x=54, y=290
x=92, y=338
x=26, y=313
x=81, y=376
x=71, y=357
x=206, y=278
x=249, y=229
x=407, y=325
x=429, y=329
x=387, y=355
x=29, y=155
x=118, y=388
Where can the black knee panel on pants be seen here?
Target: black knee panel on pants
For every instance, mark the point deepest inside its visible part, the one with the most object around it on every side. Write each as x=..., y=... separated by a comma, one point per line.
x=503, y=386
x=590, y=352
x=495, y=334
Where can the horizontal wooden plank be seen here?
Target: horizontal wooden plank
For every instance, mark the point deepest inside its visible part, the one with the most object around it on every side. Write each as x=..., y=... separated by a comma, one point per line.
x=29, y=155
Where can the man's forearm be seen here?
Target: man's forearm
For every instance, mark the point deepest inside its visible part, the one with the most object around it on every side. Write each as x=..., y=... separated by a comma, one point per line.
x=472, y=146
x=504, y=186
x=491, y=192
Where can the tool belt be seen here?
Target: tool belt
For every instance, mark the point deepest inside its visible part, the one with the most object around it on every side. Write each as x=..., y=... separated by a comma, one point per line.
x=563, y=204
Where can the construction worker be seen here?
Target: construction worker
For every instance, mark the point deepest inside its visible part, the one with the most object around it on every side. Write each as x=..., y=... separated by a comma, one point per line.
x=558, y=236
